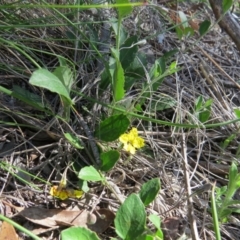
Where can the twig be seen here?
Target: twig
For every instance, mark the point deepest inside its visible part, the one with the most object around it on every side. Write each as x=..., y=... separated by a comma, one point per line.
x=194, y=230
x=220, y=68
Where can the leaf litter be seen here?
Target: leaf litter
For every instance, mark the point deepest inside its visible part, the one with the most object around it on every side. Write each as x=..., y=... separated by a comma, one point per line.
x=162, y=159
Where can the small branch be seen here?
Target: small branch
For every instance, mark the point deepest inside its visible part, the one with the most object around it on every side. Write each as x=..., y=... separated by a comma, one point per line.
x=226, y=22
x=194, y=230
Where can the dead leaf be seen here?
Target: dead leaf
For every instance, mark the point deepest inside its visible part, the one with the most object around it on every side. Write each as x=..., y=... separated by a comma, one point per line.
x=8, y=232
x=173, y=227
x=104, y=219
x=6, y=148
x=98, y=221
x=56, y=217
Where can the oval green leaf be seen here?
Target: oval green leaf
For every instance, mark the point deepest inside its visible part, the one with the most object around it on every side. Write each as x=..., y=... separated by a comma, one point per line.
x=237, y=113
x=149, y=191
x=78, y=233
x=124, y=11
x=111, y=128
x=45, y=79
x=130, y=219
x=226, y=5
x=90, y=174
x=73, y=140
x=128, y=52
x=109, y=159
x=204, y=26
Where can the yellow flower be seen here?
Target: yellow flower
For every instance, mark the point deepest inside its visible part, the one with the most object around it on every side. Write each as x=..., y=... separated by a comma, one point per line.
x=64, y=193
x=131, y=141
x=58, y=192
x=61, y=191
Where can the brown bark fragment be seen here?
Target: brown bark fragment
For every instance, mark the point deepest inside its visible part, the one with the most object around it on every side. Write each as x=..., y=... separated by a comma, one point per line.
x=227, y=23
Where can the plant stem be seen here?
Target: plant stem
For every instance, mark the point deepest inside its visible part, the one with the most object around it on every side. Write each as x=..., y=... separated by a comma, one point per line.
x=19, y=227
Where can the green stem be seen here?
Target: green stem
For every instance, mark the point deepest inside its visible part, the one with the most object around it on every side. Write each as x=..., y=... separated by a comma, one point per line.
x=12, y=44
x=23, y=6
x=132, y=114
x=215, y=214
x=19, y=227
x=118, y=34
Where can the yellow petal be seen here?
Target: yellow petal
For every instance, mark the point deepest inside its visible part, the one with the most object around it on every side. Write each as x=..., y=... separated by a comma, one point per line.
x=78, y=194
x=53, y=190
x=132, y=149
x=124, y=138
x=62, y=194
x=125, y=147
x=129, y=148
x=138, y=142
x=134, y=132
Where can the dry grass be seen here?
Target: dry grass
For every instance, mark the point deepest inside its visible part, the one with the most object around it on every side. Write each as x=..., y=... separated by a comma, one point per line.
x=184, y=160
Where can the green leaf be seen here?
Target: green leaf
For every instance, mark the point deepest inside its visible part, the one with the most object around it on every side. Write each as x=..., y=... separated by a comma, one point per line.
x=28, y=97
x=173, y=67
x=208, y=103
x=220, y=191
x=90, y=174
x=237, y=181
x=45, y=79
x=19, y=95
x=203, y=110
x=123, y=32
x=111, y=128
x=158, y=68
x=130, y=219
x=83, y=185
x=169, y=54
x=65, y=74
x=235, y=210
x=233, y=171
x=228, y=141
x=62, y=60
x=146, y=237
x=118, y=78
x=163, y=102
x=136, y=69
x=78, y=233
x=204, y=115
x=74, y=141
x=237, y=112
x=199, y=103
x=204, y=26
x=159, y=234
x=124, y=11
x=128, y=52
x=215, y=216
x=106, y=80
x=224, y=214
x=226, y=5
x=183, y=18
x=188, y=31
x=179, y=32
x=233, y=202
x=149, y=191
x=109, y=159
x=155, y=220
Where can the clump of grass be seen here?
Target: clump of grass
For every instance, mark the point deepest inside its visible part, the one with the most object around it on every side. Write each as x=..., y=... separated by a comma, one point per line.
x=70, y=101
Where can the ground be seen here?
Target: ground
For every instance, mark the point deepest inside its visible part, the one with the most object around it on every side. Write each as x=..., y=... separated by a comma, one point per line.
x=189, y=161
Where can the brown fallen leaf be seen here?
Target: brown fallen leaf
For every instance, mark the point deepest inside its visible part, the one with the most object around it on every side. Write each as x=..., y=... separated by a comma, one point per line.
x=56, y=217
x=173, y=227
x=8, y=232
x=98, y=221
x=104, y=219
